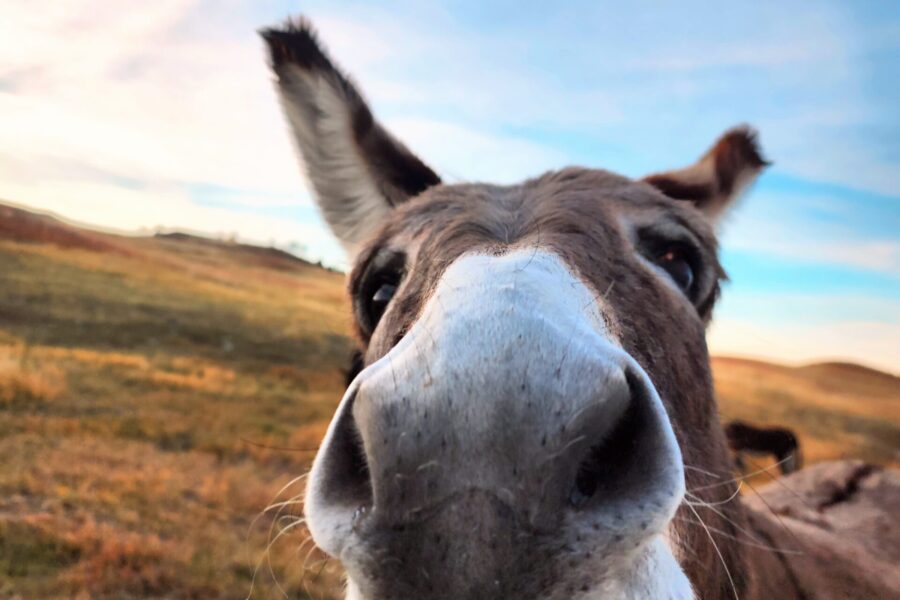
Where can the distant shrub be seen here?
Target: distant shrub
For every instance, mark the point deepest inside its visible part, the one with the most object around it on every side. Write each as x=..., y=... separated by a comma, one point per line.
x=176, y=441
x=132, y=428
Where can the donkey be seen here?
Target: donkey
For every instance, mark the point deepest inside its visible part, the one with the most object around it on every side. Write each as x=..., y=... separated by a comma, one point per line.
x=534, y=416
x=777, y=441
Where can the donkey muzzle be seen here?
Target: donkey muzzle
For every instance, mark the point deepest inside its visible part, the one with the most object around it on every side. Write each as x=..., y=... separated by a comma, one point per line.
x=504, y=434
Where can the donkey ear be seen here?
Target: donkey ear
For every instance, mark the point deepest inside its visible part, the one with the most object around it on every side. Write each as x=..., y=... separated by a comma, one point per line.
x=718, y=178
x=358, y=169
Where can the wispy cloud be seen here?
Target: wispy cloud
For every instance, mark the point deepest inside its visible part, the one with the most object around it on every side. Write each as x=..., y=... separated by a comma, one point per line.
x=851, y=248
x=789, y=219
x=118, y=90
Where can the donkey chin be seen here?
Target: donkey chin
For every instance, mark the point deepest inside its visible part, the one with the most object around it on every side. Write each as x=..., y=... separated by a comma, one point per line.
x=505, y=447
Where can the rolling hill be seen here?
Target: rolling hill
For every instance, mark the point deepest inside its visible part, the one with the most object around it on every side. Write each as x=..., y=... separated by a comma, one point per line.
x=157, y=393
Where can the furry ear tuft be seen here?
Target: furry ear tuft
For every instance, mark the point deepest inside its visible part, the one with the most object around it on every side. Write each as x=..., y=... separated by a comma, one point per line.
x=715, y=181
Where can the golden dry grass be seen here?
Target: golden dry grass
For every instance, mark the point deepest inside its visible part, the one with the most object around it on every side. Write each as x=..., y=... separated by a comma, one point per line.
x=147, y=396
x=157, y=394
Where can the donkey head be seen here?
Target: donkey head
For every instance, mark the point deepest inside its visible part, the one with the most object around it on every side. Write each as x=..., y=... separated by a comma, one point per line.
x=535, y=389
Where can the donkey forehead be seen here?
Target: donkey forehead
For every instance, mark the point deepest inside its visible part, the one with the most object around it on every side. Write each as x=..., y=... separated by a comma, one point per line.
x=542, y=211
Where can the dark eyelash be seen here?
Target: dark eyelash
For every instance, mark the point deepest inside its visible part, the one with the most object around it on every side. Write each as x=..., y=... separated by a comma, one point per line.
x=652, y=244
x=385, y=267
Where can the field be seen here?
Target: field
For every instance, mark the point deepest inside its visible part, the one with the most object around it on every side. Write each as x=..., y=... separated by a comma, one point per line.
x=158, y=393
x=838, y=410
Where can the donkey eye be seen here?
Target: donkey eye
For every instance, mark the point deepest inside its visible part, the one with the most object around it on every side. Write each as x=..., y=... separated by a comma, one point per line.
x=380, y=300
x=676, y=261
x=376, y=296
x=376, y=287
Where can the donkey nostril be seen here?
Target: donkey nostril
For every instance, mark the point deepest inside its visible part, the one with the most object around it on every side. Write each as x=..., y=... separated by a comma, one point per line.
x=578, y=497
x=348, y=482
x=611, y=458
x=357, y=465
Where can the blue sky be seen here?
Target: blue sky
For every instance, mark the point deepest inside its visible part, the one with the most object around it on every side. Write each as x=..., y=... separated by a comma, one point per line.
x=165, y=116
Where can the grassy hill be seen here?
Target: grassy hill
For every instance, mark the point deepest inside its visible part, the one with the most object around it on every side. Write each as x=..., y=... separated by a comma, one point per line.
x=838, y=410
x=158, y=393
x=147, y=386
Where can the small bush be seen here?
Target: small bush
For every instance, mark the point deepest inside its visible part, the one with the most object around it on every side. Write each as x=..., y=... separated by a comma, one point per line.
x=176, y=441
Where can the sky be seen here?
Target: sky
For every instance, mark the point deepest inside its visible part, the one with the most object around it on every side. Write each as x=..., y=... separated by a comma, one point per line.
x=163, y=114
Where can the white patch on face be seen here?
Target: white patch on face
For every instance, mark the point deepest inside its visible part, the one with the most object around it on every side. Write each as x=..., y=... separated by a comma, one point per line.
x=495, y=323
x=654, y=576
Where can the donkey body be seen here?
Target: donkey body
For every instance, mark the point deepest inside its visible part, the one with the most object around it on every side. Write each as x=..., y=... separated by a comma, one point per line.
x=534, y=417
x=779, y=442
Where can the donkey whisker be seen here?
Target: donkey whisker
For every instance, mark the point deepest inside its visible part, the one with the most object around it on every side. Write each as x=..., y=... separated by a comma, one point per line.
x=272, y=504
x=752, y=544
x=737, y=479
x=718, y=552
x=699, y=502
x=728, y=520
x=787, y=488
x=704, y=471
x=269, y=554
x=768, y=506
